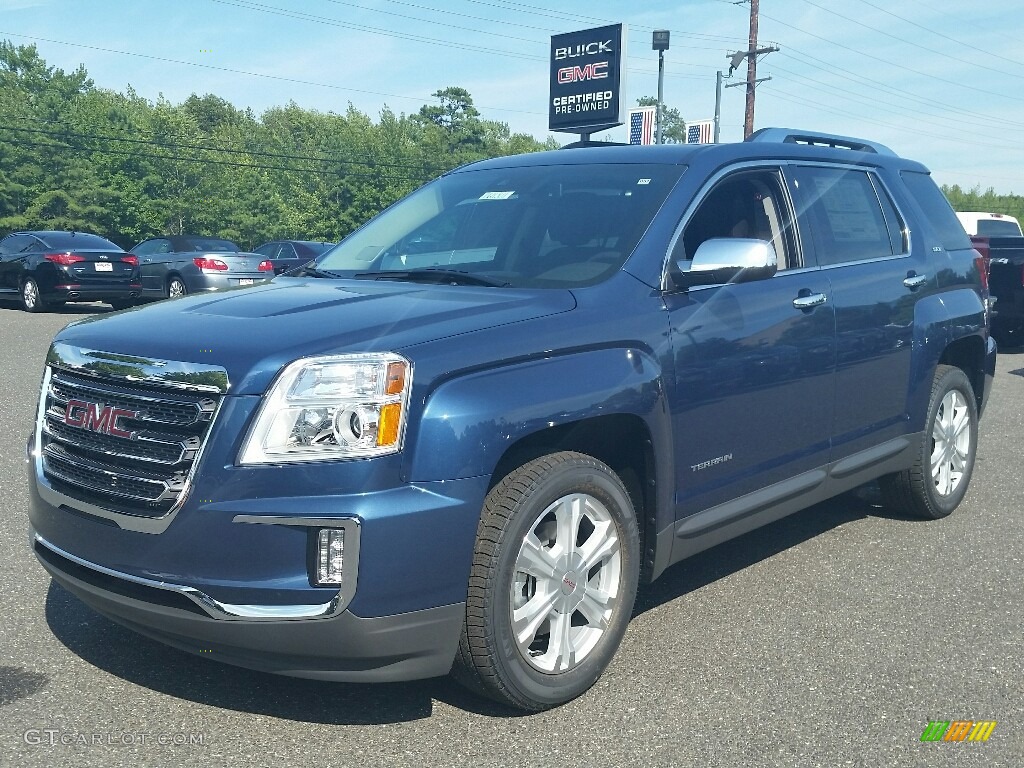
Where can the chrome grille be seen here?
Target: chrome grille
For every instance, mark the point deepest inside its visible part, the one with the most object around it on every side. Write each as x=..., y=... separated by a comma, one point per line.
x=135, y=459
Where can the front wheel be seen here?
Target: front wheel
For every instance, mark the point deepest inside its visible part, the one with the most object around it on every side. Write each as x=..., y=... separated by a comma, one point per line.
x=936, y=483
x=31, y=299
x=553, y=582
x=176, y=287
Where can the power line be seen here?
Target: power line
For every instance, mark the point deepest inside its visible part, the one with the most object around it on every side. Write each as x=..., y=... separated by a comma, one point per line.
x=861, y=79
x=874, y=99
x=905, y=41
x=210, y=161
x=203, y=148
x=250, y=74
x=942, y=35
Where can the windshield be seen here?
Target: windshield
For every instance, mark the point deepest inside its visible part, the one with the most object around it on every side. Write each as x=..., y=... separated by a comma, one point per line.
x=540, y=226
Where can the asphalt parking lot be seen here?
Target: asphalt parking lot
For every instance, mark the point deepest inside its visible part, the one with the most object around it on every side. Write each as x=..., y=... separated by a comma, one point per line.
x=830, y=638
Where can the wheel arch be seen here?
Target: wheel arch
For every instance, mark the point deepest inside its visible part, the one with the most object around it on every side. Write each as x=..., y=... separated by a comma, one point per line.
x=968, y=354
x=605, y=403
x=623, y=442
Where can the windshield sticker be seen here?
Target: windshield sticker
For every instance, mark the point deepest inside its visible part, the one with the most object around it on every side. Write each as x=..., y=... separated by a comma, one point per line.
x=644, y=181
x=496, y=195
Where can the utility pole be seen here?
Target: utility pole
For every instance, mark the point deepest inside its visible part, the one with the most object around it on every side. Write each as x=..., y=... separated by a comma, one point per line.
x=748, y=113
x=750, y=55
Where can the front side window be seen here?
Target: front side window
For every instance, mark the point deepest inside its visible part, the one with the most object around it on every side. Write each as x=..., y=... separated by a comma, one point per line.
x=746, y=204
x=152, y=246
x=557, y=226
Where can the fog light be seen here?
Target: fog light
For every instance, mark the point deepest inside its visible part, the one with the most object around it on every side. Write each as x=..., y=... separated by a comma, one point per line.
x=330, y=555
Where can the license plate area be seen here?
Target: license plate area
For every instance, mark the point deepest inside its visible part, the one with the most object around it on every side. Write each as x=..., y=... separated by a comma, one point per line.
x=246, y=280
x=104, y=266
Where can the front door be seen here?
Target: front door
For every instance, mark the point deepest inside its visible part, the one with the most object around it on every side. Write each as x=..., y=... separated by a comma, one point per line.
x=752, y=401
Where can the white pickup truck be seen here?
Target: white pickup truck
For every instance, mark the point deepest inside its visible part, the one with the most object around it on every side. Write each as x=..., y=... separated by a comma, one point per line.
x=989, y=224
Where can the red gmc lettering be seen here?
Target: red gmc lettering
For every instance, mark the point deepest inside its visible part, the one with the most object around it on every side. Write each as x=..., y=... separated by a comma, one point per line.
x=597, y=70
x=93, y=416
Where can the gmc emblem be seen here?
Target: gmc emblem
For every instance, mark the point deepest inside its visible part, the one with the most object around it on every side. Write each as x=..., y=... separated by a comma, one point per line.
x=98, y=418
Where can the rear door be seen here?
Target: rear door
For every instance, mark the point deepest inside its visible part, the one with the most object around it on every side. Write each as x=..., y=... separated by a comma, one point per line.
x=862, y=244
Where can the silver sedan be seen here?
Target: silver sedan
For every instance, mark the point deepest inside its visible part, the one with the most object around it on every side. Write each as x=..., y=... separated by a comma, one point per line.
x=176, y=265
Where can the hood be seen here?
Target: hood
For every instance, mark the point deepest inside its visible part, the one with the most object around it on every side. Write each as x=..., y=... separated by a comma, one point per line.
x=252, y=332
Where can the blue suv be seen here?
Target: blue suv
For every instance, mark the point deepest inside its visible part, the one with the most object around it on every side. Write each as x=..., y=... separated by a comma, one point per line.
x=460, y=440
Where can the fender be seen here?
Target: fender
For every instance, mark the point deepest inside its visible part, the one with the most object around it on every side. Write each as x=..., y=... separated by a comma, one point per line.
x=939, y=320
x=469, y=422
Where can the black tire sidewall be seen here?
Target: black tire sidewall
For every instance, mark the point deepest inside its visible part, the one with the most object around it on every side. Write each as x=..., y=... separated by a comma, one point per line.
x=951, y=379
x=578, y=475
x=39, y=305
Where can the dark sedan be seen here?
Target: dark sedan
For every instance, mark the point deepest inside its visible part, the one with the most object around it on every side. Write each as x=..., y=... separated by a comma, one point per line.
x=47, y=268
x=287, y=254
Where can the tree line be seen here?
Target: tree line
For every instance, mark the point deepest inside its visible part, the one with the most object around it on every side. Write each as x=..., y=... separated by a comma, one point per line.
x=75, y=156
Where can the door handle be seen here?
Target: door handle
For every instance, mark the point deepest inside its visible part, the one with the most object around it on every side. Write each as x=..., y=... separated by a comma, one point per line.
x=915, y=281
x=810, y=301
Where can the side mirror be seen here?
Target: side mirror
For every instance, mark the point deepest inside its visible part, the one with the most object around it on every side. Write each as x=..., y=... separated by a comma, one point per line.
x=729, y=260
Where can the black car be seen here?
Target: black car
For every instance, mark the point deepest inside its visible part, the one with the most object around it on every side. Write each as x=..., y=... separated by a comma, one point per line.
x=47, y=268
x=287, y=254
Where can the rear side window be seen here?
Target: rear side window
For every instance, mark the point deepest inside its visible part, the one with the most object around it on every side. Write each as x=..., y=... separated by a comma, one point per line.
x=938, y=210
x=850, y=218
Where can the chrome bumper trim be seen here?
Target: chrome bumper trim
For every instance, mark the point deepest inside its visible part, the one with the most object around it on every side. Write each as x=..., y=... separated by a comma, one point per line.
x=214, y=608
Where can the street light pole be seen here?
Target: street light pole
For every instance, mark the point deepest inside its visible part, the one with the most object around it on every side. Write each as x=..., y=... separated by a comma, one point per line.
x=659, y=42
x=718, y=104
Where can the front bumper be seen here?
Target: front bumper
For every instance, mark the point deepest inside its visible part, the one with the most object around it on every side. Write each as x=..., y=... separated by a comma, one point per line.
x=337, y=646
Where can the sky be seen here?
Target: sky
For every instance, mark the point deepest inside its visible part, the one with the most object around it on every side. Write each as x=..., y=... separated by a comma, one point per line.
x=939, y=82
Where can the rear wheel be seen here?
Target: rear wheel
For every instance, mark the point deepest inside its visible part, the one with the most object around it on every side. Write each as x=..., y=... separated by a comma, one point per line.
x=553, y=582
x=936, y=483
x=31, y=299
x=176, y=287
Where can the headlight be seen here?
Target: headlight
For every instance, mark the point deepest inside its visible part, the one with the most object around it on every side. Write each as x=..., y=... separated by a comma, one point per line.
x=340, y=407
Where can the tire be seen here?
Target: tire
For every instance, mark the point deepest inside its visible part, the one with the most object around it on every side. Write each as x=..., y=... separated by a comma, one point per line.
x=570, y=617
x=936, y=483
x=31, y=298
x=176, y=287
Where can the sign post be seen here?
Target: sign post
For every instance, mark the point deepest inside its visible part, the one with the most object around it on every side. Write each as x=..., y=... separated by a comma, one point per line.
x=587, y=80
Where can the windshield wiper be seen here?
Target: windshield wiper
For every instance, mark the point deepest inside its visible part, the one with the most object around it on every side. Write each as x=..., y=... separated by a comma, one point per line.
x=435, y=275
x=309, y=271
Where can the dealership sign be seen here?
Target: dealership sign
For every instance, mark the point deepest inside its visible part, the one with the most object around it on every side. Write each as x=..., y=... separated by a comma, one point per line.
x=587, y=79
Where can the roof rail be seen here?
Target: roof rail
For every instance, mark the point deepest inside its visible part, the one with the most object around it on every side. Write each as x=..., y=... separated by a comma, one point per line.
x=578, y=144
x=792, y=136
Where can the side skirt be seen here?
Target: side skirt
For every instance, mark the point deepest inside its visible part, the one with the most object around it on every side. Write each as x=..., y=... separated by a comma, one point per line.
x=710, y=527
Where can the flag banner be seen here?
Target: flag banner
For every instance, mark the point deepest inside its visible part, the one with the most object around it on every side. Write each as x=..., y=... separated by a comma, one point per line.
x=641, y=125
x=700, y=132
